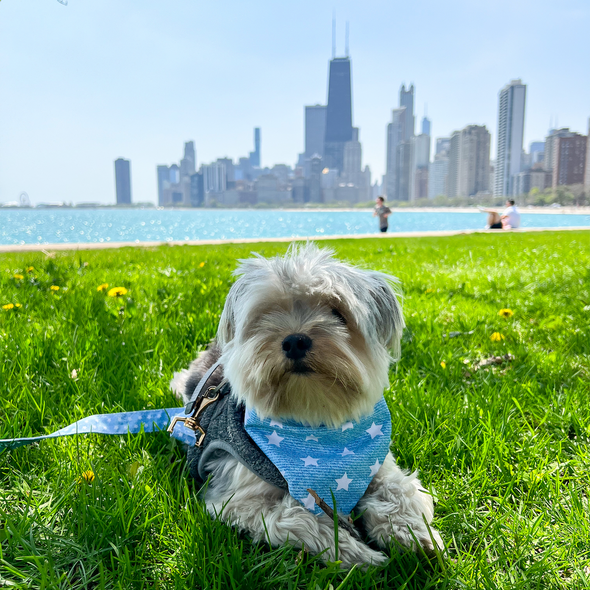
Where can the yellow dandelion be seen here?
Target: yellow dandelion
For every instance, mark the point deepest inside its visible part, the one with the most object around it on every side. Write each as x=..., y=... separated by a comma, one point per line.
x=30, y=269
x=429, y=291
x=201, y=265
x=8, y=306
x=117, y=292
x=496, y=337
x=87, y=476
x=18, y=305
x=102, y=287
x=505, y=313
x=443, y=364
x=54, y=288
x=19, y=277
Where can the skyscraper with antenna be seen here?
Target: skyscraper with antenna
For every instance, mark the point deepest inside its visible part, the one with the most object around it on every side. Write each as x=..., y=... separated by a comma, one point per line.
x=339, y=109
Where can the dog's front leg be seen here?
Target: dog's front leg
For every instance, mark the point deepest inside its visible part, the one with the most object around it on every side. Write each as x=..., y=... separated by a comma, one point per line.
x=266, y=513
x=396, y=506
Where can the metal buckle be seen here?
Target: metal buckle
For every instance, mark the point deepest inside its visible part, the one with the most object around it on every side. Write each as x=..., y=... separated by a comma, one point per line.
x=192, y=421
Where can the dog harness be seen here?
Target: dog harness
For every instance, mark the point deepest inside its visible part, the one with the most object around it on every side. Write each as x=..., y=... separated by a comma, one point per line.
x=292, y=456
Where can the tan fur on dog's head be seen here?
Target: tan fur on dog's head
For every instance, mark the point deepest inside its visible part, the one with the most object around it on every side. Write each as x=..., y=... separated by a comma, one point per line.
x=344, y=320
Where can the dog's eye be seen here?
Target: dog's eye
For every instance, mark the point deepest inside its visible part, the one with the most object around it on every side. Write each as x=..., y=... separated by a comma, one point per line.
x=336, y=313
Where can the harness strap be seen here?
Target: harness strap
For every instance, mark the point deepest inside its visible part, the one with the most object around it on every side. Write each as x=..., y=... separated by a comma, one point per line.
x=200, y=387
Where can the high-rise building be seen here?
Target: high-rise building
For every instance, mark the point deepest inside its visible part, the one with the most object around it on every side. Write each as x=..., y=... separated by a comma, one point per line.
x=123, y=181
x=437, y=175
x=163, y=173
x=395, y=136
x=511, y=108
x=255, y=155
x=406, y=99
x=426, y=126
x=587, y=172
x=188, y=163
x=550, y=144
x=214, y=177
x=338, y=113
x=315, y=130
x=469, y=162
x=570, y=160
x=420, y=161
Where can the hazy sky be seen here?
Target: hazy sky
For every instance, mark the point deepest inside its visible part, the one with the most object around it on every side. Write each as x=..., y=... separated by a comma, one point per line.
x=84, y=84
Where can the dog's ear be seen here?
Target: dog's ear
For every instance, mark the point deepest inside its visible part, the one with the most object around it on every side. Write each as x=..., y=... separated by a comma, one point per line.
x=388, y=317
x=227, y=322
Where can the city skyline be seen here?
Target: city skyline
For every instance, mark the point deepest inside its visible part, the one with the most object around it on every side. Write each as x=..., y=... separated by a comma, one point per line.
x=81, y=118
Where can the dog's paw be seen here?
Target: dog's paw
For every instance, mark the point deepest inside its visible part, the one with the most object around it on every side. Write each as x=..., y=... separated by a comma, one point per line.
x=360, y=555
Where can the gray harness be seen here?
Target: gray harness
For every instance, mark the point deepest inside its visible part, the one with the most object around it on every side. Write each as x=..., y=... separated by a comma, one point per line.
x=218, y=421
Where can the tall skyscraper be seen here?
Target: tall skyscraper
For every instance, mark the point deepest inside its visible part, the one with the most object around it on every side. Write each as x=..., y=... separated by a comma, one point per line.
x=188, y=163
x=406, y=99
x=395, y=134
x=338, y=113
x=469, y=162
x=255, y=155
x=437, y=175
x=315, y=130
x=511, y=108
x=123, y=181
x=587, y=172
x=425, y=126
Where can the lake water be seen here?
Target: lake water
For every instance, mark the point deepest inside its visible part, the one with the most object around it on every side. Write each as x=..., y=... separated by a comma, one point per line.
x=52, y=226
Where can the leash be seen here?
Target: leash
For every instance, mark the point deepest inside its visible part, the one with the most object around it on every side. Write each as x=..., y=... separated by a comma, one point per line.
x=120, y=423
x=169, y=419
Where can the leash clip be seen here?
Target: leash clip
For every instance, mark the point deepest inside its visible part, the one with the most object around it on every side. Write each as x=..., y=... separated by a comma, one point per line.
x=192, y=421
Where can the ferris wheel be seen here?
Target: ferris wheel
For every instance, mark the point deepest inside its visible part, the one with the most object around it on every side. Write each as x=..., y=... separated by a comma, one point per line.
x=24, y=200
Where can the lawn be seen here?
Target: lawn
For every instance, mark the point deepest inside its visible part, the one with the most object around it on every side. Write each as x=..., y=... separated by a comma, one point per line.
x=493, y=411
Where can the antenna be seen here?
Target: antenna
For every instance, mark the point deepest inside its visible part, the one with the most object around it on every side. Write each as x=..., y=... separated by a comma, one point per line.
x=333, y=35
x=346, y=40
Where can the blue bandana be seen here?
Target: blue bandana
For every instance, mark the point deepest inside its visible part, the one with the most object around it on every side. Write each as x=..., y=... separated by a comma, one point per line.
x=343, y=460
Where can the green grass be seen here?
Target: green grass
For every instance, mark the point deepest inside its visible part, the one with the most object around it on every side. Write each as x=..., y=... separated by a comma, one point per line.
x=504, y=447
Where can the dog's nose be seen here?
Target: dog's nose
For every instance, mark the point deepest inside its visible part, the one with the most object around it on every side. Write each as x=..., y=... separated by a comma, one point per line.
x=296, y=346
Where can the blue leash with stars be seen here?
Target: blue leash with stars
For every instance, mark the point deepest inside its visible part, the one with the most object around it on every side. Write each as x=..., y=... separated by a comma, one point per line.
x=120, y=423
x=126, y=422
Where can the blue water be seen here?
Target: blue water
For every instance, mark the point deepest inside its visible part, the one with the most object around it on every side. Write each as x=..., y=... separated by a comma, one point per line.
x=43, y=226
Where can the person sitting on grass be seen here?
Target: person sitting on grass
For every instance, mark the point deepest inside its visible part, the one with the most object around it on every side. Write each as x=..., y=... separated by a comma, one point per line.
x=383, y=212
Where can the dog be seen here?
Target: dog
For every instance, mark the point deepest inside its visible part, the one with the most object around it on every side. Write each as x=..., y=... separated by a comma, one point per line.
x=305, y=341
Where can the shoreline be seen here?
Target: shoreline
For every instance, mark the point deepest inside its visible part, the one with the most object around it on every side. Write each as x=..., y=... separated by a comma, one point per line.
x=523, y=210
x=137, y=244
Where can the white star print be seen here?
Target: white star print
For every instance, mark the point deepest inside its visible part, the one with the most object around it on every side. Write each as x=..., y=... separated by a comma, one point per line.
x=309, y=502
x=346, y=452
x=343, y=483
x=312, y=437
x=275, y=423
x=375, y=430
x=309, y=461
x=274, y=438
x=375, y=468
x=347, y=426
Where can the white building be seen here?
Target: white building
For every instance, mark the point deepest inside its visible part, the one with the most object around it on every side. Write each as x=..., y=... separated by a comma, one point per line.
x=511, y=107
x=214, y=177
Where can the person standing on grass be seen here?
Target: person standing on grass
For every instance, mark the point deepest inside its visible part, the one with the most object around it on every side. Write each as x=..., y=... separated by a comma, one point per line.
x=383, y=212
x=511, y=216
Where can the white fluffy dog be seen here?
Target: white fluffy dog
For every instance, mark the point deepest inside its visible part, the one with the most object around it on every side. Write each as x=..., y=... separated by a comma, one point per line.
x=305, y=340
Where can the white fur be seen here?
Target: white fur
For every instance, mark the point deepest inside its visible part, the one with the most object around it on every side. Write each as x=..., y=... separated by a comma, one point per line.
x=298, y=293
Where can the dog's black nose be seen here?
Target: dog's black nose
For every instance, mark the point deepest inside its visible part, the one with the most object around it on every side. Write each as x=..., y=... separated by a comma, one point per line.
x=296, y=346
